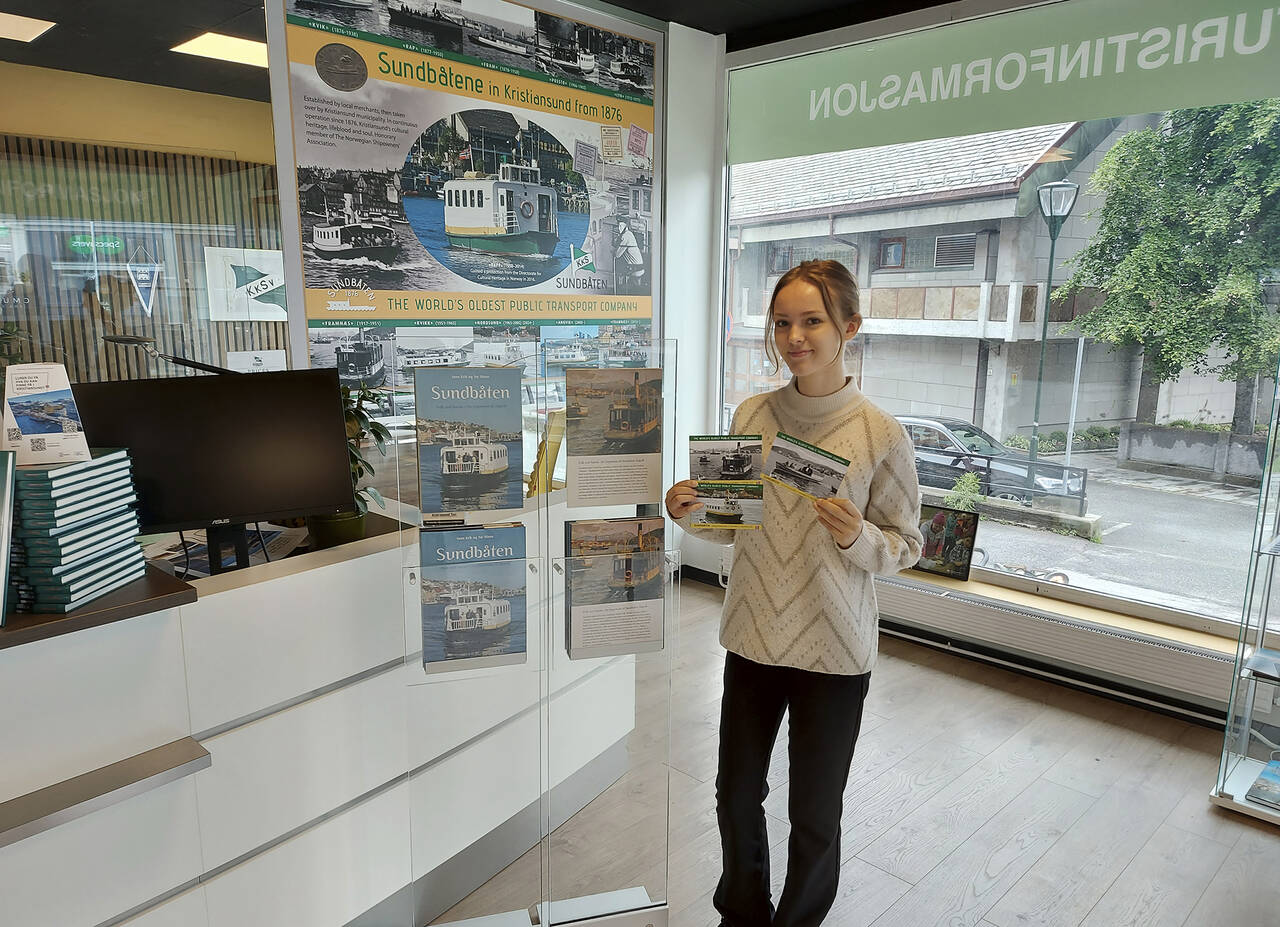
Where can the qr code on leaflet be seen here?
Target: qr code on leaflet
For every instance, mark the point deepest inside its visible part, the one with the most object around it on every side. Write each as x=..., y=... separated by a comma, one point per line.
x=70, y=428
x=13, y=434
x=39, y=444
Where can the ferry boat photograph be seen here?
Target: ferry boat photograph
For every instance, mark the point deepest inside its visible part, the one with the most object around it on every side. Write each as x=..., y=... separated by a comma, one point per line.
x=628, y=422
x=799, y=468
x=474, y=459
x=438, y=23
x=517, y=355
x=473, y=610
x=608, y=59
x=360, y=363
x=613, y=558
x=434, y=357
x=716, y=457
x=508, y=214
x=730, y=504
x=351, y=236
x=625, y=356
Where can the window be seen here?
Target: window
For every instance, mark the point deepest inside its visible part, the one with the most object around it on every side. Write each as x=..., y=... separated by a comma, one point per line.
x=480, y=198
x=928, y=349
x=932, y=438
x=893, y=253
x=955, y=250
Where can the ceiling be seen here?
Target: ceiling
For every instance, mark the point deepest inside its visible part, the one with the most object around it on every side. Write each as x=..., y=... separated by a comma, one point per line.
x=130, y=39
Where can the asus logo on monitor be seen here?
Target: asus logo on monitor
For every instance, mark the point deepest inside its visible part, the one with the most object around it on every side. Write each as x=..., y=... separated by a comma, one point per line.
x=221, y=521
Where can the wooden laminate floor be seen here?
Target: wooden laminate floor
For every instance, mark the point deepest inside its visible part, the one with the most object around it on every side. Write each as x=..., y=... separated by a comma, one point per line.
x=977, y=797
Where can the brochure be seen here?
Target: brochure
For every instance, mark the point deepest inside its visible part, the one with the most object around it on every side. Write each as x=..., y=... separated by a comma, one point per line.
x=614, y=589
x=736, y=505
x=41, y=422
x=614, y=435
x=804, y=468
x=470, y=439
x=725, y=457
x=473, y=597
x=1266, y=788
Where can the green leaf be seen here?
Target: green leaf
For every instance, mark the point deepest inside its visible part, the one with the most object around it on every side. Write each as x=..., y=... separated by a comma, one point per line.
x=376, y=496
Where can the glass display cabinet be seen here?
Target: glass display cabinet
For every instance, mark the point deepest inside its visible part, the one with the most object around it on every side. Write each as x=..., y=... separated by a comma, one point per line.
x=1249, y=773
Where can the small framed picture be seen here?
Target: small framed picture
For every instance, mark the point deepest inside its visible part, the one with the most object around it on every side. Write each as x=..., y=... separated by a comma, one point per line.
x=893, y=253
x=948, y=541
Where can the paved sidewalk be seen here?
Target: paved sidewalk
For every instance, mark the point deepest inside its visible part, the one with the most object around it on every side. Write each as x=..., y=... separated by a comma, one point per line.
x=1102, y=469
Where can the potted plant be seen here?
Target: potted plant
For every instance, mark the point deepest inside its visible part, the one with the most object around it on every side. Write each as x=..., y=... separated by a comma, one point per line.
x=331, y=530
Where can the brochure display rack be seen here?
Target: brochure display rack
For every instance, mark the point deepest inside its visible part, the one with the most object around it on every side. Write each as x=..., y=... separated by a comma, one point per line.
x=540, y=618
x=1249, y=773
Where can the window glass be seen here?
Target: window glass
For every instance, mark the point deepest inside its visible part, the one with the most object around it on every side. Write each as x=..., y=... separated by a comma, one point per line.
x=1151, y=421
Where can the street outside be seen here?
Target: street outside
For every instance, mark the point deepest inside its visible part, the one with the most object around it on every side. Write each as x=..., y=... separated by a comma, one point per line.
x=1171, y=541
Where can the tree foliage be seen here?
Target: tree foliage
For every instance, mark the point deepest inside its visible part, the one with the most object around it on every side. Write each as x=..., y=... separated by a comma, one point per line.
x=1189, y=227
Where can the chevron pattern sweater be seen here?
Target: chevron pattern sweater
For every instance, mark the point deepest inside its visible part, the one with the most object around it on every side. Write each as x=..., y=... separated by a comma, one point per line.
x=795, y=598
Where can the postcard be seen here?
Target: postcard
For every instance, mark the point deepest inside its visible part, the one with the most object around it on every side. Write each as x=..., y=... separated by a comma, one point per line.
x=614, y=589
x=473, y=597
x=948, y=541
x=470, y=439
x=725, y=457
x=737, y=505
x=804, y=468
x=614, y=433
x=41, y=421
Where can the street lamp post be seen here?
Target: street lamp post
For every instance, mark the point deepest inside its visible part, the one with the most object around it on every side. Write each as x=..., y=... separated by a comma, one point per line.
x=1056, y=201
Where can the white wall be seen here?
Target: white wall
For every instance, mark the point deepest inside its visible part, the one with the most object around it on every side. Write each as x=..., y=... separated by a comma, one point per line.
x=1199, y=397
x=921, y=376
x=694, y=205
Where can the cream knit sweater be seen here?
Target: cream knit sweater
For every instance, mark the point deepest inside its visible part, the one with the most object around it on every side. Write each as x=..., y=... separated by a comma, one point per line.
x=795, y=598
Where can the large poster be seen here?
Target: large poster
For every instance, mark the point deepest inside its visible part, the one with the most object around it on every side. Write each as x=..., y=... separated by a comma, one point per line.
x=469, y=163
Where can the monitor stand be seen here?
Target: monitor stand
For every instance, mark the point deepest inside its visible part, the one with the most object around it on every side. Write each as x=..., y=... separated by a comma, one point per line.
x=220, y=536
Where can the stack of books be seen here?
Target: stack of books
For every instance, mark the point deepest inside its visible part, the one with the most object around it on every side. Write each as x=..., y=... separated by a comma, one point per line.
x=75, y=533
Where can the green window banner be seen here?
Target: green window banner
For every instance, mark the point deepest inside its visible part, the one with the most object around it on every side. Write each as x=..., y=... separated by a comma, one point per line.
x=1067, y=61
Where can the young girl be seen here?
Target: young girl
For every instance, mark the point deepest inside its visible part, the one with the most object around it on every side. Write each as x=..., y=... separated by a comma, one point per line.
x=800, y=620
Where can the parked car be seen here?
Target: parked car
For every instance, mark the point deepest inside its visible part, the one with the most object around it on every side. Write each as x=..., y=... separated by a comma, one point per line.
x=947, y=448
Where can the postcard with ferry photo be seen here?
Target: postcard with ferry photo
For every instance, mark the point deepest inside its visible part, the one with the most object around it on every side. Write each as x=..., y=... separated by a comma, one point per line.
x=725, y=457
x=613, y=431
x=470, y=441
x=949, y=535
x=804, y=468
x=738, y=505
x=614, y=589
x=473, y=597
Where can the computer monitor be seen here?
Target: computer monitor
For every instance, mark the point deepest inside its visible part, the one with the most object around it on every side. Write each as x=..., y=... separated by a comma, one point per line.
x=226, y=450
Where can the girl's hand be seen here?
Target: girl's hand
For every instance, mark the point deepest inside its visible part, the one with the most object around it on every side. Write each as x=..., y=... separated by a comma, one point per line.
x=841, y=518
x=682, y=498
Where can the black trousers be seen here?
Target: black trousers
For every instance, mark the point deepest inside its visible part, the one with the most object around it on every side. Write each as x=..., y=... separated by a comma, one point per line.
x=825, y=715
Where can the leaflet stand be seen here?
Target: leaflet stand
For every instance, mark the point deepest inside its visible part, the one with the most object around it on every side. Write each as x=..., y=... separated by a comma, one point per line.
x=614, y=608
x=538, y=791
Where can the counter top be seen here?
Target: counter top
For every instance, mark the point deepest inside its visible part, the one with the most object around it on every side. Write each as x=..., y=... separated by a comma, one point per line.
x=155, y=591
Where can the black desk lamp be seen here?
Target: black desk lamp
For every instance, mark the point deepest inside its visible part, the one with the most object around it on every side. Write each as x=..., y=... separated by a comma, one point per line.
x=149, y=346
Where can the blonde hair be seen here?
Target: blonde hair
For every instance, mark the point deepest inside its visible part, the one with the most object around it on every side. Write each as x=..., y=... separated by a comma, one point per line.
x=839, y=297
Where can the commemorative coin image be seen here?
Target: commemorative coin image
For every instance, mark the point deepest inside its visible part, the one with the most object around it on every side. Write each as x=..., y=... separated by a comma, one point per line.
x=341, y=67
